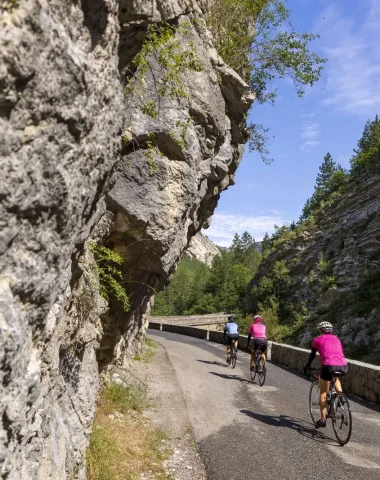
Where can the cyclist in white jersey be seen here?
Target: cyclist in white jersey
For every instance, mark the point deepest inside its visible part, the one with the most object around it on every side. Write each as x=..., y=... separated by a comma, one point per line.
x=232, y=331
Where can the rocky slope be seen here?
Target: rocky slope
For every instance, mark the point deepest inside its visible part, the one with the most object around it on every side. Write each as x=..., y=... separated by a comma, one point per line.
x=334, y=267
x=203, y=249
x=69, y=180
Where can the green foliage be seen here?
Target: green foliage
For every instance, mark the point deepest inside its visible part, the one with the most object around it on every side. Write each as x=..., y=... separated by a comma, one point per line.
x=10, y=5
x=163, y=47
x=270, y=298
x=184, y=292
x=110, y=275
x=125, y=397
x=257, y=40
x=330, y=182
x=323, y=266
x=198, y=289
x=179, y=135
x=367, y=156
x=368, y=292
x=102, y=452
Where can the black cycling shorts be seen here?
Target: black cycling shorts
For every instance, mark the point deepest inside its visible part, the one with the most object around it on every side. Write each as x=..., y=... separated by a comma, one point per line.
x=260, y=343
x=232, y=338
x=328, y=370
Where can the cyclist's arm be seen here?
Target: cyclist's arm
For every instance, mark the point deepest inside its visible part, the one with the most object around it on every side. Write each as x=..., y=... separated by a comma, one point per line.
x=225, y=331
x=249, y=339
x=311, y=357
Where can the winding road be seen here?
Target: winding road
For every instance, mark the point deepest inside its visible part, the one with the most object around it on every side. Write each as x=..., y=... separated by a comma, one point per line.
x=244, y=431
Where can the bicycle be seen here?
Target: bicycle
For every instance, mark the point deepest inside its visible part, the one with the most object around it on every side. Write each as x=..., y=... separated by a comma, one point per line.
x=233, y=354
x=338, y=408
x=260, y=367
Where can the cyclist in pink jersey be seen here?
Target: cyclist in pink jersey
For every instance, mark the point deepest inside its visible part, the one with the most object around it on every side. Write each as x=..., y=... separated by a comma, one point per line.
x=333, y=360
x=258, y=331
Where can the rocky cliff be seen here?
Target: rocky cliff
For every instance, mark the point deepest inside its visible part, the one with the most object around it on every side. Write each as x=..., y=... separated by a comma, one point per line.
x=86, y=161
x=203, y=249
x=334, y=270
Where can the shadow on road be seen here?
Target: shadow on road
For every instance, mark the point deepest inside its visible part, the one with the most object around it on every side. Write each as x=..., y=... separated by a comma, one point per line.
x=304, y=428
x=213, y=363
x=231, y=377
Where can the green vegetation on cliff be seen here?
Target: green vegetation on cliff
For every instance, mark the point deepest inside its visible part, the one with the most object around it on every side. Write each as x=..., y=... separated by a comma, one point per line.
x=319, y=258
x=198, y=289
x=256, y=39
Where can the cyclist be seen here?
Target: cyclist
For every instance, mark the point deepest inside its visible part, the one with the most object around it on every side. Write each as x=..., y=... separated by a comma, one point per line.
x=232, y=331
x=258, y=331
x=333, y=360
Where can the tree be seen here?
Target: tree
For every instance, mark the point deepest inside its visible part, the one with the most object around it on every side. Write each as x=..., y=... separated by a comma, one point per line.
x=266, y=243
x=257, y=40
x=326, y=170
x=367, y=156
x=331, y=178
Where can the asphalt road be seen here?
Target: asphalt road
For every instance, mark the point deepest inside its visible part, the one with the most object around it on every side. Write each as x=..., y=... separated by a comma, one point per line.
x=244, y=431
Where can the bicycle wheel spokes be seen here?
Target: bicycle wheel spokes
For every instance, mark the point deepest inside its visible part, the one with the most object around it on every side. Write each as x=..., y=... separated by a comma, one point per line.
x=342, y=419
x=314, y=402
x=261, y=371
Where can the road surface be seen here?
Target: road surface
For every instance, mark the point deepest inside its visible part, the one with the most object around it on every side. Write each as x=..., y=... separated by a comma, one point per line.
x=244, y=431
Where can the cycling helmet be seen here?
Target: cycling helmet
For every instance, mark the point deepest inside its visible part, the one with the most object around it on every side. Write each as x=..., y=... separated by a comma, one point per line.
x=231, y=318
x=257, y=319
x=325, y=327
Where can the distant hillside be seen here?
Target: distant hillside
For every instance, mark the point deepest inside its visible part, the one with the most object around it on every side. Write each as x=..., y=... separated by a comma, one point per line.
x=328, y=269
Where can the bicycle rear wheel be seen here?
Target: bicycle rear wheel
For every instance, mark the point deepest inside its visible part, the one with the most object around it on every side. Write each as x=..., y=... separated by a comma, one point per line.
x=233, y=360
x=314, y=402
x=262, y=370
x=342, y=419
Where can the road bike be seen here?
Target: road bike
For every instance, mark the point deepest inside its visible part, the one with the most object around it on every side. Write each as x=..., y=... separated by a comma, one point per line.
x=260, y=367
x=338, y=407
x=233, y=354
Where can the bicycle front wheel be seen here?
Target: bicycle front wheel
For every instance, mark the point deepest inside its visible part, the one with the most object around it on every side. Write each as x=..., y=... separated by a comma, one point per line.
x=262, y=371
x=342, y=419
x=314, y=402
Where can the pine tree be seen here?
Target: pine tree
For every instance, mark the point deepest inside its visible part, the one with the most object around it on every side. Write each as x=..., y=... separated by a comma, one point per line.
x=367, y=156
x=266, y=243
x=326, y=171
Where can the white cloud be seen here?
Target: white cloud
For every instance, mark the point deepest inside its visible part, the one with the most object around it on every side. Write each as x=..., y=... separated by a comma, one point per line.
x=307, y=146
x=310, y=130
x=309, y=135
x=353, y=68
x=308, y=115
x=225, y=225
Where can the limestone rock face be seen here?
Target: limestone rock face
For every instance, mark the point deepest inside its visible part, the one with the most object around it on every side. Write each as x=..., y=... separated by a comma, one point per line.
x=202, y=249
x=69, y=180
x=328, y=263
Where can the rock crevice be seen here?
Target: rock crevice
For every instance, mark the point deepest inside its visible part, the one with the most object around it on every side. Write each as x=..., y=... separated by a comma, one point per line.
x=70, y=181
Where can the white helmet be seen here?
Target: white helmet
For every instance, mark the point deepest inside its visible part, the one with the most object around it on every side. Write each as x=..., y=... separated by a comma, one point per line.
x=325, y=327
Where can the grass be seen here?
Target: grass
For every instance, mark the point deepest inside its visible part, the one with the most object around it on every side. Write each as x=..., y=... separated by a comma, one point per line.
x=147, y=351
x=123, y=444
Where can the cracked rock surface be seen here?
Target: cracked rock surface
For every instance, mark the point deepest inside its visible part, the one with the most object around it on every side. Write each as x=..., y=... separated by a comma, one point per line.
x=69, y=180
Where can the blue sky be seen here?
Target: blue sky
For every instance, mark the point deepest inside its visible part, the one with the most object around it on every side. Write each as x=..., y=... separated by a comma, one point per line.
x=330, y=117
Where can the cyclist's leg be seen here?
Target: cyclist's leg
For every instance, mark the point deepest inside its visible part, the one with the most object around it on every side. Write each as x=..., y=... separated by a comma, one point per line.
x=264, y=351
x=253, y=355
x=323, y=386
x=228, y=346
x=338, y=385
x=340, y=368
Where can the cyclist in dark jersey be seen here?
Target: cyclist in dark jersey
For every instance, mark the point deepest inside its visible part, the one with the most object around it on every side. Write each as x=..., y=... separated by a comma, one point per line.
x=333, y=360
x=232, y=331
